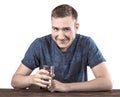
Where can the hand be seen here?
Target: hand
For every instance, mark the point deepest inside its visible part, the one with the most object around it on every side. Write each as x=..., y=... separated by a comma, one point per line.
x=57, y=86
x=41, y=78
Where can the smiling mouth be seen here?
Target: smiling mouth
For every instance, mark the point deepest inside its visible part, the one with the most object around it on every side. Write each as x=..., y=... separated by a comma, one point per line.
x=62, y=41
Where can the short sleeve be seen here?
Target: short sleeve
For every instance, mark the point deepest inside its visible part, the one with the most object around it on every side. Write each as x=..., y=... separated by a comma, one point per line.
x=31, y=58
x=94, y=54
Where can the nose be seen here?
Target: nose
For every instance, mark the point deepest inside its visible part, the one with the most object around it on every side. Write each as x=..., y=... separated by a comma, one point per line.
x=61, y=35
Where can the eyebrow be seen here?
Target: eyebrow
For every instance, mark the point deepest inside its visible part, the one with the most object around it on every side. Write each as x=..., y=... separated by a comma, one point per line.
x=61, y=28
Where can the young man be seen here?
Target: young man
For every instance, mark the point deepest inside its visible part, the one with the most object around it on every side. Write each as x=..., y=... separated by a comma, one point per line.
x=70, y=53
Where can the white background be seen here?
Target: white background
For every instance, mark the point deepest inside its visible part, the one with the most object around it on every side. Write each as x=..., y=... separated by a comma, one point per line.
x=22, y=21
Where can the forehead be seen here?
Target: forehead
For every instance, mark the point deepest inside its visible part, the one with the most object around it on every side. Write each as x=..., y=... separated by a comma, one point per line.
x=61, y=22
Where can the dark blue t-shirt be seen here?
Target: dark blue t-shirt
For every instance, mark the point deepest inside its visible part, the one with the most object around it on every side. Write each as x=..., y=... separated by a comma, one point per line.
x=70, y=66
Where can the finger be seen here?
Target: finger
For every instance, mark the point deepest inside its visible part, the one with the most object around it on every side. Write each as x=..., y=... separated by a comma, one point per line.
x=51, y=87
x=46, y=82
x=50, y=84
x=53, y=75
x=46, y=77
x=43, y=71
x=42, y=76
x=42, y=83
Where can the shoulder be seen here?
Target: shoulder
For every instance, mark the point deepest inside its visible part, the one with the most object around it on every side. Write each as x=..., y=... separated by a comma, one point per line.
x=43, y=39
x=84, y=40
x=40, y=42
x=83, y=37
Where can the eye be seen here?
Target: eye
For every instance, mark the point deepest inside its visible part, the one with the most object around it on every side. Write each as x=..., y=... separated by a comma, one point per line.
x=55, y=29
x=66, y=29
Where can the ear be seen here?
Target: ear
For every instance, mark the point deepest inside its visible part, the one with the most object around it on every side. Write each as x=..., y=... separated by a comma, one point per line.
x=77, y=26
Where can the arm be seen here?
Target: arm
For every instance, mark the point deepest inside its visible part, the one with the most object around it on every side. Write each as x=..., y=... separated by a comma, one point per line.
x=20, y=74
x=101, y=82
x=23, y=79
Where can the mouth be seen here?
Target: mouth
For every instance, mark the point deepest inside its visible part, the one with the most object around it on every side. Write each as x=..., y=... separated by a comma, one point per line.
x=63, y=44
x=62, y=41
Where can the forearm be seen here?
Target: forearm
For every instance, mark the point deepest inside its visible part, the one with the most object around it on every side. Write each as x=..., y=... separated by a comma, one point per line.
x=20, y=81
x=99, y=84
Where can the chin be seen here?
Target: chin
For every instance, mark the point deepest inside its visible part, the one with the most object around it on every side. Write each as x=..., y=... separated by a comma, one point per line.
x=63, y=47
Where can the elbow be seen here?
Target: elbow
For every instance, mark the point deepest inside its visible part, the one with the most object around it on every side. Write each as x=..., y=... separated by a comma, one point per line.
x=105, y=84
x=13, y=83
x=15, y=86
x=108, y=85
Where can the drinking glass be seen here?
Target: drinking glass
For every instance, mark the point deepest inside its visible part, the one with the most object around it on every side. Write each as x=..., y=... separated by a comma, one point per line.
x=50, y=69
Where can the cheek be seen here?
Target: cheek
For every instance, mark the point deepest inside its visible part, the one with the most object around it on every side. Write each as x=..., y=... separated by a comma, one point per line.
x=70, y=34
x=54, y=35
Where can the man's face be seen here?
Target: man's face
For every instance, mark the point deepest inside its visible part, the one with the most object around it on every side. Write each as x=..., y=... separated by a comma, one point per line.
x=64, y=31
